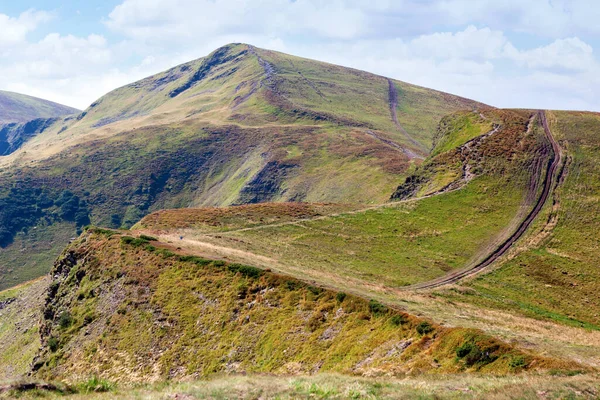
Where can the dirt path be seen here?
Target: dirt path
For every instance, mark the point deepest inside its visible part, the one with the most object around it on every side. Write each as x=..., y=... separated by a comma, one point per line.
x=222, y=251
x=408, y=152
x=525, y=224
x=393, y=100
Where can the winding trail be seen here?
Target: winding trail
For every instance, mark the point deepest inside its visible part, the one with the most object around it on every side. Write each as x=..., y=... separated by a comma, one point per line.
x=451, y=278
x=525, y=224
x=393, y=100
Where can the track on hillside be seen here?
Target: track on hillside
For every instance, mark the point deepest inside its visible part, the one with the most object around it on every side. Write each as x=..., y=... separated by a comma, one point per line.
x=525, y=224
x=393, y=101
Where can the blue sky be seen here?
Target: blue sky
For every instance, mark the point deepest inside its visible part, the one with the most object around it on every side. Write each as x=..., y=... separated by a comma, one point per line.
x=510, y=53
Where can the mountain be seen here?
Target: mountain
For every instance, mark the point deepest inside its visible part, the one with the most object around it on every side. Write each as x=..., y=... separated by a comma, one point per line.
x=339, y=288
x=495, y=230
x=242, y=125
x=432, y=237
x=20, y=108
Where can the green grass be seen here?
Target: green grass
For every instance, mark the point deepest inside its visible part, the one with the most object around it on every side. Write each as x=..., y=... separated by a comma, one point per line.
x=557, y=279
x=19, y=328
x=31, y=254
x=21, y=108
x=395, y=245
x=455, y=131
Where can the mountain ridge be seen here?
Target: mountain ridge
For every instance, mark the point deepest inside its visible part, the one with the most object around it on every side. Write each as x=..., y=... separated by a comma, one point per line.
x=241, y=125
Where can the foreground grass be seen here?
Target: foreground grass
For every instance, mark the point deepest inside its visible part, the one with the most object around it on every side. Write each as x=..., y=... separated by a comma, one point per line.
x=328, y=386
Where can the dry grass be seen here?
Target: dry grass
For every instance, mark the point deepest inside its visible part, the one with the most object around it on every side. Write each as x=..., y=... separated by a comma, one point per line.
x=328, y=386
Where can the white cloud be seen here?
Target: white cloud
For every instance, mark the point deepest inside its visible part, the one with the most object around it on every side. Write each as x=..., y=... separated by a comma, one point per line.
x=15, y=30
x=570, y=53
x=189, y=20
x=479, y=53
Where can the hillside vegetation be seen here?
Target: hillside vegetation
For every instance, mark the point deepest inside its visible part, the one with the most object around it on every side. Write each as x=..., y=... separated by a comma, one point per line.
x=446, y=211
x=553, y=274
x=401, y=243
x=242, y=125
x=131, y=310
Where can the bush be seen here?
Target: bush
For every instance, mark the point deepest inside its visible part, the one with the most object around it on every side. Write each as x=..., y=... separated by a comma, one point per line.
x=53, y=344
x=149, y=238
x=424, y=328
x=245, y=270
x=376, y=307
x=472, y=354
x=464, y=349
x=340, y=297
x=196, y=260
x=517, y=362
x=398, y=320
x=315, y=290
x=65, y=320
x=95, y=385
x=135, y=242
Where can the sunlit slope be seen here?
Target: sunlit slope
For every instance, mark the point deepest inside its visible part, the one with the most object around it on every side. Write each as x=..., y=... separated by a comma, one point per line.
x=135, y=310
x=395, y=245
x=242, y=125
x=553, y=274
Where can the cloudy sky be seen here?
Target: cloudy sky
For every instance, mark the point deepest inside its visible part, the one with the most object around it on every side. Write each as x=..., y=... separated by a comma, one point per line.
x=507, y=53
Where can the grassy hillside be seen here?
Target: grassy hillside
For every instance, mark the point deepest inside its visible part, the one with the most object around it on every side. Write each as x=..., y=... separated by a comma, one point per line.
x=15, y=107
x=396, y=244
x=540, y=294
x=553, y=274
x=20, y=314
x=334, y=386
x=131, y=310
x=242, y=125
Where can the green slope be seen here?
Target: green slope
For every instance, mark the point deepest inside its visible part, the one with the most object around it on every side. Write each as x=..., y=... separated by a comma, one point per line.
x=554, y=275
x=242, y=125
x=15, y=107
x=405, y=243
x=130, y=311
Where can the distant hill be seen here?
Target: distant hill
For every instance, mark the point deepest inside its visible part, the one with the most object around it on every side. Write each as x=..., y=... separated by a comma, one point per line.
x=19, y=108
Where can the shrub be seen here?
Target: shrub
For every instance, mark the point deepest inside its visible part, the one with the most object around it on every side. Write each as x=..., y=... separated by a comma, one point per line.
x=464, y=349
x=245, y=270
x=95, y=385
x=376, y=307
x=65, y=320
x=472, y=354
x=399, y=319
x=196, y=260
x=135, y=242
x=424, y=328
x=53, y=344
x=148, y=238
x=340, y=297
x=105, y=232
x=315, y=290
x=517, y=362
